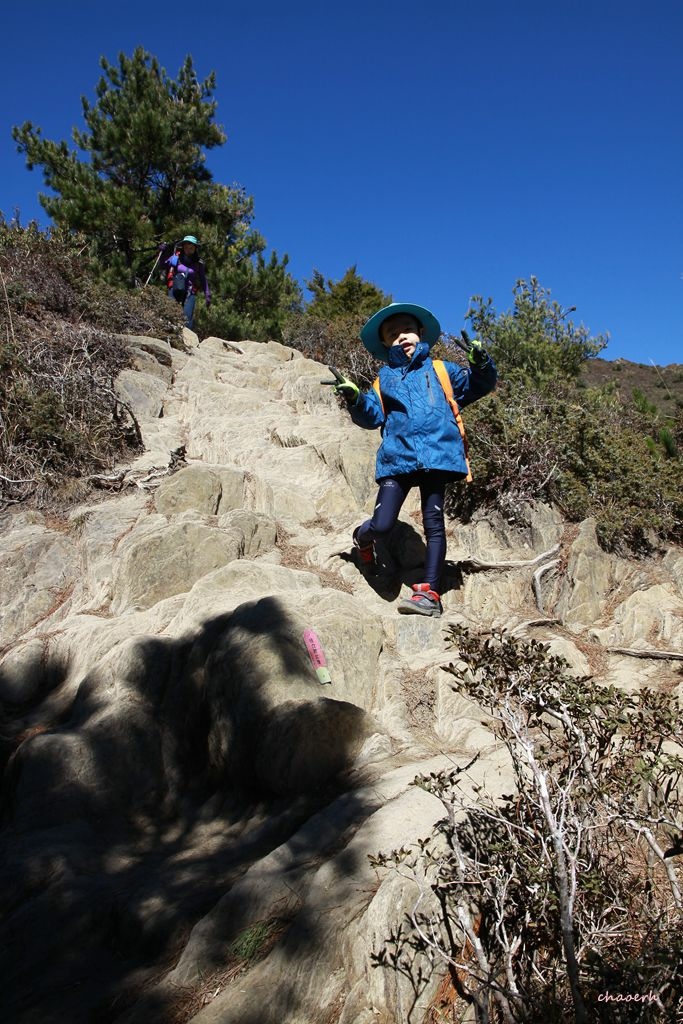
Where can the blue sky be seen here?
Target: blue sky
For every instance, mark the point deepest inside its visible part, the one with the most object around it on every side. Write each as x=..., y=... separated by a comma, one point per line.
x=447, y=149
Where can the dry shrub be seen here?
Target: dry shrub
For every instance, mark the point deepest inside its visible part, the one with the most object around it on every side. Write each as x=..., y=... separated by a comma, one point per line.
x=543, y=901
x=60, y=417
x=334, y=342
x=46, y=272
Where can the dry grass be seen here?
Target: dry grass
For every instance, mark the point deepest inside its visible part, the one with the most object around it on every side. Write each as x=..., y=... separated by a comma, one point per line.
x=321, y=523
x=446, y=1007
x=190, y=1001
x=286, y=441
x=60, y=355
x=294, y=557
x=57, y=522
x=595, y=654
x=103, y=612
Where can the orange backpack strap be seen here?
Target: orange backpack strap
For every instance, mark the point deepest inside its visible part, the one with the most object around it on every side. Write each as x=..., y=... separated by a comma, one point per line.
x=445, y=382
x=376, y=387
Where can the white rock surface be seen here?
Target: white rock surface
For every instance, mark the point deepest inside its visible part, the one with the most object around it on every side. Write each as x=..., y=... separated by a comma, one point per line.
x=177, y=774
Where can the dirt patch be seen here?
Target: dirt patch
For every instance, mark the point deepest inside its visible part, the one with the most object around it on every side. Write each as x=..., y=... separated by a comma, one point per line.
x=293, y=556
x=419, y=694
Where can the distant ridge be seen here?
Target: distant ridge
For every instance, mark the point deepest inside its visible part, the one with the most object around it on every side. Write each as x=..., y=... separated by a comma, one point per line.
x=661, y=385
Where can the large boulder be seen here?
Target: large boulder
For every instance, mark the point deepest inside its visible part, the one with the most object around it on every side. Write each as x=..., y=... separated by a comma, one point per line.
x=587, y=582
x=38, y=568
x=194, y=487
x=158, y=563
x=142, y=392
x=151, y=356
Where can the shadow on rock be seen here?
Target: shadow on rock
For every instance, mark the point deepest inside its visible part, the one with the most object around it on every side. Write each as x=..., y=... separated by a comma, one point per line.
x=453, y=578
x=31, y=686
x=400, y=560
x=182, y=762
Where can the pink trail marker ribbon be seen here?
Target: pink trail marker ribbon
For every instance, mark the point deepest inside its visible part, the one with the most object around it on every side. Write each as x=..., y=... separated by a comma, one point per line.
x=317, y=655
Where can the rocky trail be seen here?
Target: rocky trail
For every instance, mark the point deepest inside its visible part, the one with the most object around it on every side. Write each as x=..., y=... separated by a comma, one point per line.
x=187, y=811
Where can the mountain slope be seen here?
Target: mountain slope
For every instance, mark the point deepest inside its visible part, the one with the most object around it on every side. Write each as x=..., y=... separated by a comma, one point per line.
x=178, y=784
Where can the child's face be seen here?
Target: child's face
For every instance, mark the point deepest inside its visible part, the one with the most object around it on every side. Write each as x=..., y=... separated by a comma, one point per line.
x=401, y=329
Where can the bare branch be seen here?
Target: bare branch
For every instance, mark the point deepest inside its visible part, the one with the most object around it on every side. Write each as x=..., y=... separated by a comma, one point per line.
x=519, y=563
x=648, y=654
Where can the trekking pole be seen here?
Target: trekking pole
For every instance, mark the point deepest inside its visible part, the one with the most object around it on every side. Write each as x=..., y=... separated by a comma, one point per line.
x=153, y=268
x=463, y=342
x=338, y=377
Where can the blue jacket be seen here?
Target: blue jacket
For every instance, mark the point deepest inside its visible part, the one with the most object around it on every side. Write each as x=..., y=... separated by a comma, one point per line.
x=419, y=430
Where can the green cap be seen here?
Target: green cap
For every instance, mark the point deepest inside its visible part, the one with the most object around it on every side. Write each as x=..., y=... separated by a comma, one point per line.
x=190, y=238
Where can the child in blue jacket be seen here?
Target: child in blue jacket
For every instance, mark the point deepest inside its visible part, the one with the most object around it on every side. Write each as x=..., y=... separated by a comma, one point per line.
x=421, y=442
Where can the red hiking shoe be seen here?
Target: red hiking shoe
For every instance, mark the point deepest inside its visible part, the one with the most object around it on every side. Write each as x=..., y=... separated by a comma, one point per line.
x=365, y=554
x=424, y=601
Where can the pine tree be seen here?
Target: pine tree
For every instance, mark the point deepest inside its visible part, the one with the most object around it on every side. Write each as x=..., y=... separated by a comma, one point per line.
x=144, y=173
x=139, y=177
x=351, y=295
x=534, y=341
x=255, y=298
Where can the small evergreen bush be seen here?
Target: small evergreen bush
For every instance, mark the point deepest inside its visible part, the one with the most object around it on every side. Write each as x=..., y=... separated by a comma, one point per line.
x=542, y=437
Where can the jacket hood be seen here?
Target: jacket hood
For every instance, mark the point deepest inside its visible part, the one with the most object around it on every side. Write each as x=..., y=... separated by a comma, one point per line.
x=395, y=356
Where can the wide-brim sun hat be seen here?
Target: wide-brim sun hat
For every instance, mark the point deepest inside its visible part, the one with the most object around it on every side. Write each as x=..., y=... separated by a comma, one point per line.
x=370, y=337
x=191, y=238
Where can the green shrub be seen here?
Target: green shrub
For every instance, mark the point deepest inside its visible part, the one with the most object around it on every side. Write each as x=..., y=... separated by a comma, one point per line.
x=251, y=299
x=534, y=341
x=668, y=443
x=253, y=941
x=643, y=404
x=545, y=435
x=579, y=450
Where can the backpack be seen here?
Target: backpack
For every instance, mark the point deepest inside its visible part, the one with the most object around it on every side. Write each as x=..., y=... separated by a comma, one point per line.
x=179, y=286
x=445, y=382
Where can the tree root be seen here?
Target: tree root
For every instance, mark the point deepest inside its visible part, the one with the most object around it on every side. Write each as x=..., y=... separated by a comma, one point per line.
x=647, y=654
x=521, y=563
x=123, y=478
x=537, y=582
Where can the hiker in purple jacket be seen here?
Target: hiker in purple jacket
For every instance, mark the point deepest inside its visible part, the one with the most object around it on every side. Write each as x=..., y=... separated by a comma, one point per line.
x=185, y=275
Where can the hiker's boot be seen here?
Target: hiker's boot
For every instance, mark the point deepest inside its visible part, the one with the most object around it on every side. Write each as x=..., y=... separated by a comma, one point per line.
x=365, y=554
x=423, y=601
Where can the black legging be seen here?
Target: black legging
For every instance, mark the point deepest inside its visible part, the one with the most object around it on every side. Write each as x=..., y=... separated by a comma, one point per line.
x=393, y=491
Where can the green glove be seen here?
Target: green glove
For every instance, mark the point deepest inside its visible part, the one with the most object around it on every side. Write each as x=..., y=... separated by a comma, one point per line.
x=474, y=350
x=343, y=386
